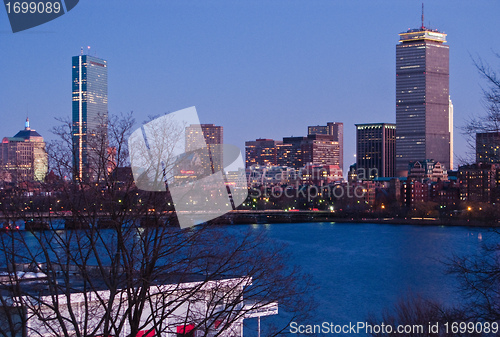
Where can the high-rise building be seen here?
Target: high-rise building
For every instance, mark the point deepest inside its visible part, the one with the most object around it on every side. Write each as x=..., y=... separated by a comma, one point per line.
x=375, y=150
x=23, y=157
x=334, y=129
x=293, y=152
x=320, y=149
x=90, y=117
x=488, y=147
x=214, y=136
x=422, y=98
x=290, y=152
x=261, y=152
x=212, y=133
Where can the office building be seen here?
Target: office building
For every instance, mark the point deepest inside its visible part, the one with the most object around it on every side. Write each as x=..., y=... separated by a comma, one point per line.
x=375, y=150
x=23, y=157
x=90, y=117
x=295, y=152
x=334, y=129
x=290, y=152
x=488, y=147
x=261, y=152
x=422, y=98
x=480, y=182
x=320, y=149
x=214, y=136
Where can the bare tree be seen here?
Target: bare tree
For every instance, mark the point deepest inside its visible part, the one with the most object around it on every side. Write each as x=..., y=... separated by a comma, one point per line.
x=416, y=316
x=479, y=276
x=489, y=121
x=111, y=261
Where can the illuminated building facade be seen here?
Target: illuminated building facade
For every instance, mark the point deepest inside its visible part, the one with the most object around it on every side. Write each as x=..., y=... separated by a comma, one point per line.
x=90, y=117
x=375, y=149
x=293, y=152
x=334, y=129
x=261, y=152
x=214, y=136
x=290, y=153
x=480, y=182
x=488, y=147
x=320, y=149
x=23, y=157
x=422, y=98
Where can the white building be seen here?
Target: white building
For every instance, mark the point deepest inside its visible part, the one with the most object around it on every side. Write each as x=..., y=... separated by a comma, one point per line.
x=197, y=308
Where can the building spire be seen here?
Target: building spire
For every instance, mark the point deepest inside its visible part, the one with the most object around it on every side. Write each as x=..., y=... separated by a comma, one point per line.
x=27, y=124
x=423, y=27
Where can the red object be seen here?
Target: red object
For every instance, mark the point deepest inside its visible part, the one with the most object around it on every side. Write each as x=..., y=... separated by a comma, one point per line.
x=146, y=333
x=217, y=324
x=184, y=329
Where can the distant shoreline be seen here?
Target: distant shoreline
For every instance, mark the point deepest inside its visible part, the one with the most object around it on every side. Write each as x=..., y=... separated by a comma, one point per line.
x=263, y=217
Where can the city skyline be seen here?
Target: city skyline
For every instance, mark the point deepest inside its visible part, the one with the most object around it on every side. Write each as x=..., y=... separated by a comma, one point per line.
x=278, y=76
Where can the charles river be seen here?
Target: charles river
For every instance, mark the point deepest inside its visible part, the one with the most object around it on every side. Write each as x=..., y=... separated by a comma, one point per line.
x=361, y=269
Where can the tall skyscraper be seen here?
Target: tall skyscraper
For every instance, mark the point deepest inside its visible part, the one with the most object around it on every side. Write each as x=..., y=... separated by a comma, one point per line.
x=334, y=129
x=23, y=157
x=214, y=136
x=375, y=150
x=422, y=98
x=90, y=117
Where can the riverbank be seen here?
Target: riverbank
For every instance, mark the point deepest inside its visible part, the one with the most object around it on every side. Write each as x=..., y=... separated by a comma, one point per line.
x=262, y=217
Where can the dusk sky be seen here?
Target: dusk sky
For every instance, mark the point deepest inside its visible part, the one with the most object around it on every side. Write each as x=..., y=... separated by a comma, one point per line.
x=261, y=69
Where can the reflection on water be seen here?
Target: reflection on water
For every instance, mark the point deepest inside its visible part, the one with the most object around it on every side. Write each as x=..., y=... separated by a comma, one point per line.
x=364, y=268
x=359, y=269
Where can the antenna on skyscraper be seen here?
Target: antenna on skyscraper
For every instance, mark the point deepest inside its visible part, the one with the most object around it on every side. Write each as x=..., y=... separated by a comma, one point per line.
x=423, y=15
x=81, y=50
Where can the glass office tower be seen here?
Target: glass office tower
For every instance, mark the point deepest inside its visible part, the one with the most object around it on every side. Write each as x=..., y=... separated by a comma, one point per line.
x=375, y=149
x=90, y=116
x=422, y=98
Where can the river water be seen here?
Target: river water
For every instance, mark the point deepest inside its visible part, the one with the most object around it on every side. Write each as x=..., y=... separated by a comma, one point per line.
x=360, y=269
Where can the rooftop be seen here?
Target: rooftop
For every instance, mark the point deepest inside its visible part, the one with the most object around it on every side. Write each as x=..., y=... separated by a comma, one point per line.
x=27, y=134
x=421, y=34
